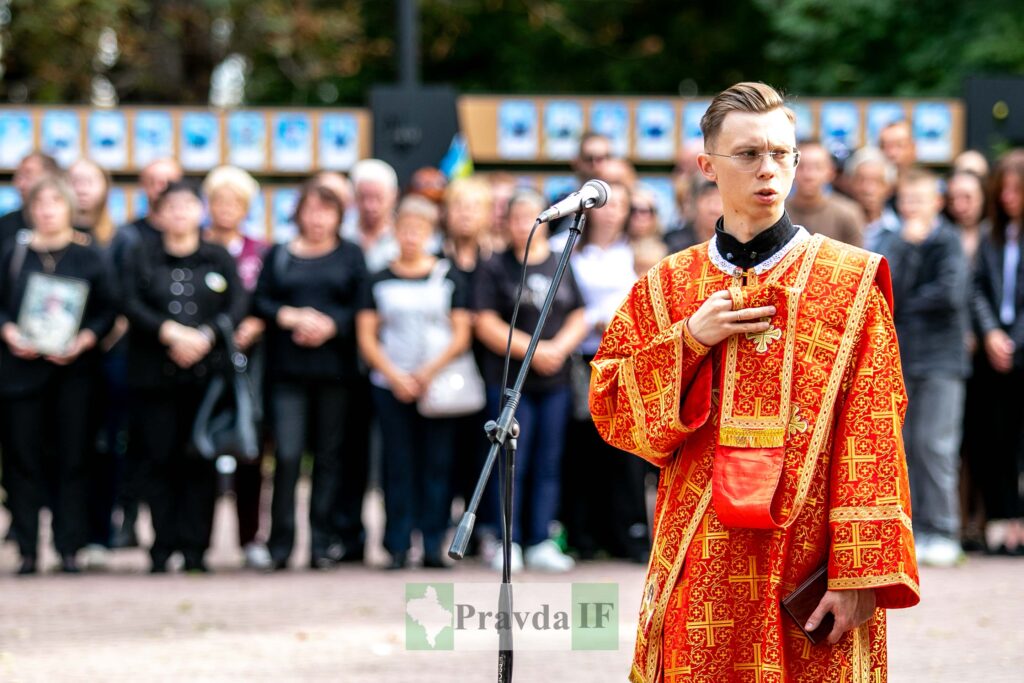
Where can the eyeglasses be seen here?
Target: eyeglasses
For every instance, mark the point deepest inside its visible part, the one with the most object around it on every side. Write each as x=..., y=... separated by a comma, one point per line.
x=595, y=158
x=644, y=209
x=749, y=160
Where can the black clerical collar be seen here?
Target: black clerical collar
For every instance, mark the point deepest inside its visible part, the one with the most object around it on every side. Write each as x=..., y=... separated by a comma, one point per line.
x=758, y=250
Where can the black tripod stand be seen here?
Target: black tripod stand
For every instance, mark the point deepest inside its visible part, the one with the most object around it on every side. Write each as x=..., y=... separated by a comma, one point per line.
x=503, y=433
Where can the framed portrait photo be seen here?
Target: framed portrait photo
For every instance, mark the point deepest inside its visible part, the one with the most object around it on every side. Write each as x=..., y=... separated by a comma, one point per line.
x=51, y=311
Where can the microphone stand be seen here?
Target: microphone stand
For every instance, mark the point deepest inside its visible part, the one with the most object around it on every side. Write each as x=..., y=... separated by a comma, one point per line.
x=503, y=434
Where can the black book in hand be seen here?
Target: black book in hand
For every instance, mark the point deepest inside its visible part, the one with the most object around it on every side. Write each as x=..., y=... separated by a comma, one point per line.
x=801, y=603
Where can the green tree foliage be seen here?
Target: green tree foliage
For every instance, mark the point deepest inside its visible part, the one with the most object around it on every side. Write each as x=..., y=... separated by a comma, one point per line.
x=887, y=47
x=331, y=51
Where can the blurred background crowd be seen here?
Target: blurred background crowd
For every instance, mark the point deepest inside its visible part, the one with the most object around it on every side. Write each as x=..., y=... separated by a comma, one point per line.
x=346, y=327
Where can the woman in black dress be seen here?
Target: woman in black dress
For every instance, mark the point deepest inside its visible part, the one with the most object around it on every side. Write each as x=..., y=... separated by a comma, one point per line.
x=46, y=426
x=175, y=290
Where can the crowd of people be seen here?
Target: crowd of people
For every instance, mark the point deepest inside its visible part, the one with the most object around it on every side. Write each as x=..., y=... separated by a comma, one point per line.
x=351, y=328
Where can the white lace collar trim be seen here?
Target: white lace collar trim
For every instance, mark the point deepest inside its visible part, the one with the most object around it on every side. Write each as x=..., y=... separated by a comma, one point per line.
x=729, y=269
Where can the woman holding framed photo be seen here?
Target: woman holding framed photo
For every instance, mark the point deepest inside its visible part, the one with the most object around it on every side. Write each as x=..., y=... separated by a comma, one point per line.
x=56, y=301
x=175, y=291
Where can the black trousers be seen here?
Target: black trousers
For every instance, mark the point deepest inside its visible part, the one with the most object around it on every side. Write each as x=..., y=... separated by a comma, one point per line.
x=180, y=487
x=603, y=506
x=46, y=441
x=306, y=416
x=997, y=437
x=348, y=504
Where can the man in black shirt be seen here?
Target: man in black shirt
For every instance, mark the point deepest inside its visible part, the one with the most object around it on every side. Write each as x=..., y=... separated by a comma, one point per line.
x=30, y=170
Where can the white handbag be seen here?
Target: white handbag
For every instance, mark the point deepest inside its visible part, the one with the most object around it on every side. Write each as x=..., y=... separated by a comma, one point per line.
x=457, y=389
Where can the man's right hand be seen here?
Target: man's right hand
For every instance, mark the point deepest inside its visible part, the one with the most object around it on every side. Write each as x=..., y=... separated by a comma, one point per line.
x=716, y=321
x=999, y=348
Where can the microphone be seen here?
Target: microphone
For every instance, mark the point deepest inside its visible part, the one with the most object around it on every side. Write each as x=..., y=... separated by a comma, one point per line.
x=593, y=195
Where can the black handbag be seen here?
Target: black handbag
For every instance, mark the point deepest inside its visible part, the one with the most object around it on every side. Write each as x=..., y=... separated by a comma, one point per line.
x=229, y=416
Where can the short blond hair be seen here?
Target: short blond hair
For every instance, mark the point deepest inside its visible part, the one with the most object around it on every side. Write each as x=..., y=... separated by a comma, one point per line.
x=474, y=185
x=234, y=179
x=750, y=97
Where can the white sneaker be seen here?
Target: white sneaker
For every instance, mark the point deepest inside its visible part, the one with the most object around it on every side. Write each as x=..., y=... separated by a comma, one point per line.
x=546, y=556
x=490, y=547
x=498, y=563
x=257, y=556
x=942, y=552
x=921, y=543
x=95, y=557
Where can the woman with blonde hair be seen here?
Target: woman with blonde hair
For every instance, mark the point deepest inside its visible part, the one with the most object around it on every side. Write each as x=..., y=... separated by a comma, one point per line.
x=229, y=193
x=91, y=185
x=468, y=220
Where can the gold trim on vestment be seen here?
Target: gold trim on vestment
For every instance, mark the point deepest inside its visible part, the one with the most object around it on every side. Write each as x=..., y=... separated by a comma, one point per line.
x=658, y=302
x=823, y=428
x=894, y=579
x=654, y=644
x=871, y=514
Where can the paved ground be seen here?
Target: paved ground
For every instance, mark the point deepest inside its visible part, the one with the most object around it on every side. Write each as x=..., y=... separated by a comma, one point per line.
x=348, y=625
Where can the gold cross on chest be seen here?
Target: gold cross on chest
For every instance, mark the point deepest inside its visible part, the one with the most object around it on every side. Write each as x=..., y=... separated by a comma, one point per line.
x=838, y=266
x=853, y=459
x=706, y=278
x=709, y=625
x=751, y=578
x=705, y=535
x=758, y=666
x=891, y=414
x=857, y=546
x=763, y=339
x=814, y=340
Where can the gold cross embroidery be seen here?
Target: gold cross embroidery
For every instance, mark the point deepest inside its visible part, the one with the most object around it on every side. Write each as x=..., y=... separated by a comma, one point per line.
x=852, y=459
x=795, y=423
x=758, y=666
x=890, y=500
x=838, y=266
x=805, y=644
x=763, y=339
x=857, y=546
x=688, y=483
x=658, y=393
x=609, y=412
x=709, y=625
x=705, y=536
x=891, y=414
x=814, y=340
x=751, y=578
x=677, y=672
x=706, y=278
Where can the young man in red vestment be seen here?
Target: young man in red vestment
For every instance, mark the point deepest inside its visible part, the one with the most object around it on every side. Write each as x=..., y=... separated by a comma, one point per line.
x=760, y=371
